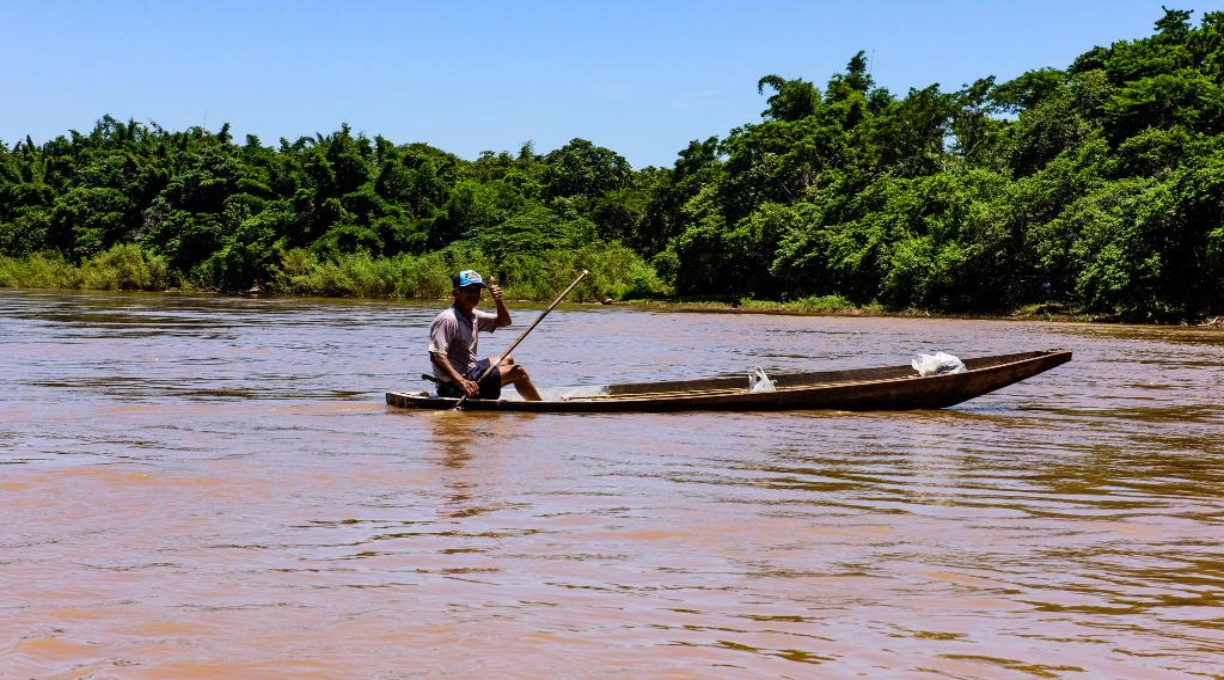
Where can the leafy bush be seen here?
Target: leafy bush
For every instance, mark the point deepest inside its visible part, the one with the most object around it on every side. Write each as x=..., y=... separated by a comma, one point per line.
x=124, y=267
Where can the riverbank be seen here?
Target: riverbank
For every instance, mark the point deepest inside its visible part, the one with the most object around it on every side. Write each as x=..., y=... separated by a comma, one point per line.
x=762, y=307
x=618, y=278
x=832, y=307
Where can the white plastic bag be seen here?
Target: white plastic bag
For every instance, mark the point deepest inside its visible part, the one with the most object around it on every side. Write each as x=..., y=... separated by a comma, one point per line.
x=759, y=382
x=937, y=364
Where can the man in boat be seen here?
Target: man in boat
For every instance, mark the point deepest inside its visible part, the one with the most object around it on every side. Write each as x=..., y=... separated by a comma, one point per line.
x=453, y=338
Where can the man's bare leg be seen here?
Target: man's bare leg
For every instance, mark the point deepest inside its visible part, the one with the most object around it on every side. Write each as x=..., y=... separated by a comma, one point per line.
x=514, y=374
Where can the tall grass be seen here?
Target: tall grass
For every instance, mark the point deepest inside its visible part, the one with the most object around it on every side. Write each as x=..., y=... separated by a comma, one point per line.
x=123, y=267
x=616, y=273
x=38, y=271
x=301, y=272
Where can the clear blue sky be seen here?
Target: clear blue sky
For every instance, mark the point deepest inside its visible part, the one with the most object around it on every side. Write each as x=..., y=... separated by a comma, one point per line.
x=642, y=78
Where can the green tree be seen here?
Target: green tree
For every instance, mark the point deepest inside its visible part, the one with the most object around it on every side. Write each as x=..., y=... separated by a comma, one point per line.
x=581, y=169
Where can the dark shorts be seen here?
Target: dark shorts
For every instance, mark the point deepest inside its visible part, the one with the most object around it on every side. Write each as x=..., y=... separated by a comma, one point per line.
x=489, y=389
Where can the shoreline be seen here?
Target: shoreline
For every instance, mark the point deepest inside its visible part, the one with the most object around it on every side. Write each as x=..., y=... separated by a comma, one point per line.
x=1037, y=312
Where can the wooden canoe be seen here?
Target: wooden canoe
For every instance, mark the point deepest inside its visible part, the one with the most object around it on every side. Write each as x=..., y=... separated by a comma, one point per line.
x=894, y=388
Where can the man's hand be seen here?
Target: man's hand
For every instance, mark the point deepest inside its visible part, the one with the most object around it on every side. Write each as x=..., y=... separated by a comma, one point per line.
x=469, y=387
x=494, y=289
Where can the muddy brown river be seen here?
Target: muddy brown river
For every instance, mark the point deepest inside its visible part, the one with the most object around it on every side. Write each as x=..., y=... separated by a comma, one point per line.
x=206, y=487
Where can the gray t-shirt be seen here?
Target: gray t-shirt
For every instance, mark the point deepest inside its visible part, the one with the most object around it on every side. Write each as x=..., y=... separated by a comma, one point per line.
x=454, y=335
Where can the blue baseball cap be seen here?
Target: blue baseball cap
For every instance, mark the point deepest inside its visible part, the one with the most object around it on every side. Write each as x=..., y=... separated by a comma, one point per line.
x=467, y=277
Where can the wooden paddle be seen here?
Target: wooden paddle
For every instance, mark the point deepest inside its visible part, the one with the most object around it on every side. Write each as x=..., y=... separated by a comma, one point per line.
x=530, y=328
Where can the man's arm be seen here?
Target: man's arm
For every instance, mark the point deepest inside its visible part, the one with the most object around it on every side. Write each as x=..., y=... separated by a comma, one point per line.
x=503, y=314
x=439, y=359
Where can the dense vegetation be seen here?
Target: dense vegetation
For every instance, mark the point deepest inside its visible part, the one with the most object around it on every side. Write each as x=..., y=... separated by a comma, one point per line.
x=1099, y=187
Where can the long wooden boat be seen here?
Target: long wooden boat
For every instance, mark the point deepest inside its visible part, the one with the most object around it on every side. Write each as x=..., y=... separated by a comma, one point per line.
x=893, y=388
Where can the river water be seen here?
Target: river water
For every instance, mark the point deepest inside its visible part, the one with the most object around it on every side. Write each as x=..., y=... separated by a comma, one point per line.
x=204, y=487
